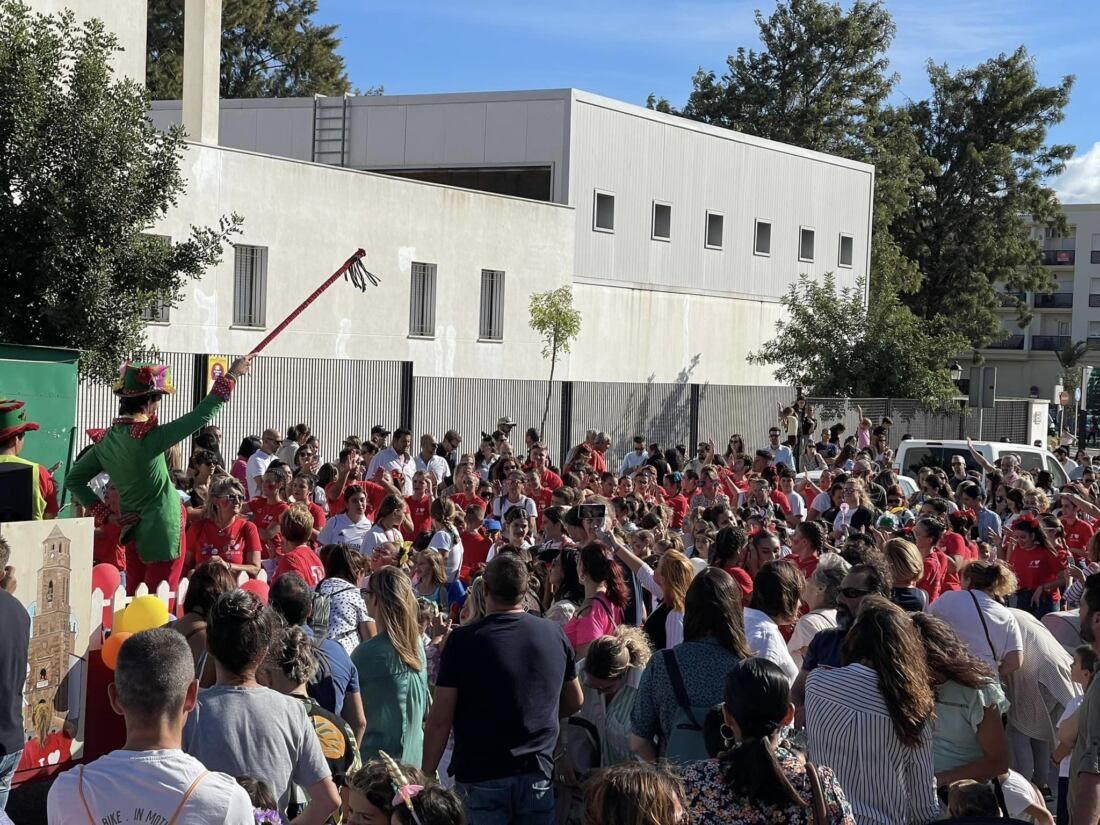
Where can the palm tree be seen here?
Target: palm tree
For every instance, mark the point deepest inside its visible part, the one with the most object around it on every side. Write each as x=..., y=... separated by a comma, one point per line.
x=1070, y=357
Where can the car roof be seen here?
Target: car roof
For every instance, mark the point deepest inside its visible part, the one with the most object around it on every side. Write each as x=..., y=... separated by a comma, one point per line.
x=948, y=442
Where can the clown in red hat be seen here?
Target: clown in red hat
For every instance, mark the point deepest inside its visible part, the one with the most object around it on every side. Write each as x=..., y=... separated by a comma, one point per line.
x=14, y=427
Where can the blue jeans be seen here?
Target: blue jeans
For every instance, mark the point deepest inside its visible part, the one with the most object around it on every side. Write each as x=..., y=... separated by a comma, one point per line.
x=7, y=771
x=527, y=799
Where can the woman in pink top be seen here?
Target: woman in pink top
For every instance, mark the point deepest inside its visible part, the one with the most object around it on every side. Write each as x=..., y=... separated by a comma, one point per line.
x=605, y=596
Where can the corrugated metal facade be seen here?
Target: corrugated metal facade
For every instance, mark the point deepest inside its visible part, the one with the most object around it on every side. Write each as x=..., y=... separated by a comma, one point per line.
x=660, y=412
x=335, y=397
x=473, y=406
x=744, y=411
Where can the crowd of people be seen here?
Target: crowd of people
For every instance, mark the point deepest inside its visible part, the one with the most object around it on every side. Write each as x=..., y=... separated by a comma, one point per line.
x=776, y=634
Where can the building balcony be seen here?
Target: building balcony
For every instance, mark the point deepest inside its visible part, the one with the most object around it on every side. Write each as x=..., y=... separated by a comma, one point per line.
x=1012, y=299
x=1049, y=343
x=1055, y=300
x=1011, y=342
x=1058, y=257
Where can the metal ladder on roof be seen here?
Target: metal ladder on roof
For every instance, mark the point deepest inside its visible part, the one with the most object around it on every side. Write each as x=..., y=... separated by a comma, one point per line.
x=330, y=130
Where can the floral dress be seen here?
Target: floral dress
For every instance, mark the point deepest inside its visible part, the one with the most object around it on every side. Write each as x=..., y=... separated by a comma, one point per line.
x=711, y=801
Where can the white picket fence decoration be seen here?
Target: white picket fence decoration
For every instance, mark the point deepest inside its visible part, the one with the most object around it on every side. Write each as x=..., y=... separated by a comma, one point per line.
x=119, y=600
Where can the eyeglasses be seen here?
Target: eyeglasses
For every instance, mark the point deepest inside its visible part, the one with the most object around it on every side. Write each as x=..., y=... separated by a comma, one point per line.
x=853, y=592
x=305, y=453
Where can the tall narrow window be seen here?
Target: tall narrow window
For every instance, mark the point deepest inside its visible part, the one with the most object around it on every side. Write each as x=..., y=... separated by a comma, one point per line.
x=662, y=221
x=715, y=227
x=491, y=327
x=762, y=238
x=422, y=301
x=157, y=311
x=847, y=251
x=806, y=244
x=603, y=212
x=250, y=286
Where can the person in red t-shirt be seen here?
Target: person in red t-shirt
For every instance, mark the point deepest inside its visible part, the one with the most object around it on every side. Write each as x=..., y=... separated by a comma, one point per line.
x=221, y=533
x=927, y=533
x=106, y=547
x=675, y=500
x=266, y=510
x=296, y=525
x=1037, y=565
x=419, y=508
x=476, y=543
x=1078, y=532
x=540, y=463
x=539, y=494
x=807, y=542
x=301, y=491
x=466, y=482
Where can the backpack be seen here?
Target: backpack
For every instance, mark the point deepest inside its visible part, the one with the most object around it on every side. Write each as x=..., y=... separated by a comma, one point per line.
x=320, y=606
x=685, y=741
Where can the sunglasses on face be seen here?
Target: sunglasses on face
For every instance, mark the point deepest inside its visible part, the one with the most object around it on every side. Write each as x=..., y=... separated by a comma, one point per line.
x=853, y=592
x=233, y=497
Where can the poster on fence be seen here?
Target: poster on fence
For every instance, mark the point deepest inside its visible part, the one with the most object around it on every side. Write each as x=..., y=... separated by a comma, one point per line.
x=53, y=570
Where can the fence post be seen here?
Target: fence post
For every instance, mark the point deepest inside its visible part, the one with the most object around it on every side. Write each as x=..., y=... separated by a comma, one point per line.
x=566, y=421
x=693, y=416
x=408, y=394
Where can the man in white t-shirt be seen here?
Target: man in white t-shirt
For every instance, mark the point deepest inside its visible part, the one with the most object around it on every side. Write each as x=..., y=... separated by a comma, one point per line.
x=150, y=779
x=396, y=461
x=429, y=462
x=786, y=487
x=258, y=461
x=987, y=628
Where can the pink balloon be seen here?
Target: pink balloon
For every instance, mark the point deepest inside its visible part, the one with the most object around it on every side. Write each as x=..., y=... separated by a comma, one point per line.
x=258, y=588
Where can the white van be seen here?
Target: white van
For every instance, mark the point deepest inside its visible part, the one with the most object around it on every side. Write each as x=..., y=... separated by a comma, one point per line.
x=915, y=453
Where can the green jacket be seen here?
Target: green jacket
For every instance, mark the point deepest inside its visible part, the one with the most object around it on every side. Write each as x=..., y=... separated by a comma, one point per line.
x=132, y=454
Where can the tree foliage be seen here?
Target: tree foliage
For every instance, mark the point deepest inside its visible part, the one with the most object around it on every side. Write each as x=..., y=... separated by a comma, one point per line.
x=832, y=344
x=983, y=132
x=83, y=174
x=558, y=322
x=270, y=48
x=1071, y=359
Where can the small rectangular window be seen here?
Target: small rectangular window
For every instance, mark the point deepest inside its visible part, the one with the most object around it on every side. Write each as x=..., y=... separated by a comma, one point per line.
x=762, y=242
x=805, y=244
x=249, y=286
x=156, y=313
x=847, y=250
x=491, y=327
x=662, y=221
x=603, y=212
x=715, y=226
x=422, y=300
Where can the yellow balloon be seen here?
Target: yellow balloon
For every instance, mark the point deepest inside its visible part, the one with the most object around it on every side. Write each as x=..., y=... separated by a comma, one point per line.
x=143, y=613
x=116, y=619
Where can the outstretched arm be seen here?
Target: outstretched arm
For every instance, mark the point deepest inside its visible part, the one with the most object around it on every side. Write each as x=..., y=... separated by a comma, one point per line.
x=164, y=436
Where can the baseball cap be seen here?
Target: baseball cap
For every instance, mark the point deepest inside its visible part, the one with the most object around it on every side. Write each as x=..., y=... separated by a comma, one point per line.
x=492, y=525
x=506, y=421
x=378, y=429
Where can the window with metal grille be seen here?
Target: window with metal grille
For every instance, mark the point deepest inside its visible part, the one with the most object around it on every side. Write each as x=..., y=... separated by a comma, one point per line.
x=491, y=327
x=847, y=251
x=806, y=244
x=157, y=312
x=422, y=301
x=250, y=286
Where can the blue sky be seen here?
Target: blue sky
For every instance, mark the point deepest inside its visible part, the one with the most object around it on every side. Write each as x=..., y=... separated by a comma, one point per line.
x=627, y=49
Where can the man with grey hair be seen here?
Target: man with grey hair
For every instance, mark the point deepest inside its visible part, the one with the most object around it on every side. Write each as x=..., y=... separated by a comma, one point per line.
x=13, y=673
x=150, y=779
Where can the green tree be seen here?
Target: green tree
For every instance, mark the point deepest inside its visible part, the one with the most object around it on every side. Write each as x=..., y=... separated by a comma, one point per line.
x=554, y=317
x=832, y=344
x=1071, y=359
x=968, y=225
x=83, y=174
x=270, y=48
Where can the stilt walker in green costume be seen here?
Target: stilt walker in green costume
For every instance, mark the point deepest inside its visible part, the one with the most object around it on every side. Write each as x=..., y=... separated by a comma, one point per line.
x=132, y=454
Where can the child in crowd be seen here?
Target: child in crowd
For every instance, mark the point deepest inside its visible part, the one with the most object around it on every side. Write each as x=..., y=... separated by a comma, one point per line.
x=1084, y=666
x=263, y=800
x=433, y=805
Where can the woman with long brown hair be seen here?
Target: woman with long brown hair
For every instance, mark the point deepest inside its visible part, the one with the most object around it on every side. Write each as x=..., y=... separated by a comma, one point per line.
x=393, y=671
x=871, y=720
x=635, y=794
x=714, y=641
x=605, y=597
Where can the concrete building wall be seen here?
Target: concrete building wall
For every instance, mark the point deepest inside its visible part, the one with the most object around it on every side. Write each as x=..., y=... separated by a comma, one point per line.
x=311, y=217
x=126, y=18
x=642, y=157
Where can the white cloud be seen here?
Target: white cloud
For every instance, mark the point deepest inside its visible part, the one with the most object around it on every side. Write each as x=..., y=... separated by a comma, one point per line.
x=1080, y=183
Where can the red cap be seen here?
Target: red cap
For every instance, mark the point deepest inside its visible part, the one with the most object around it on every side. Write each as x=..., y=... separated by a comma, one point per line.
x=744, y=581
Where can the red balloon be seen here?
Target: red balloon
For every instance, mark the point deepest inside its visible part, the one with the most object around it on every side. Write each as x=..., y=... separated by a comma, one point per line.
x=107, y=578
x=258, y=588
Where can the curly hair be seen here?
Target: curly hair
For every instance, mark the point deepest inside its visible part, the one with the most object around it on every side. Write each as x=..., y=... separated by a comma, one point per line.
x=292, y=652
x=611, y=656
x=884, y=638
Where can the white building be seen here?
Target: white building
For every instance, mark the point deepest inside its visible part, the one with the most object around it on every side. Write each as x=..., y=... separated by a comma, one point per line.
x=678, y=238
x=1026, y=359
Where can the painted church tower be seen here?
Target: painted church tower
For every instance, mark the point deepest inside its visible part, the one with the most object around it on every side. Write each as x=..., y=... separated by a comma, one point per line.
x=53, y=637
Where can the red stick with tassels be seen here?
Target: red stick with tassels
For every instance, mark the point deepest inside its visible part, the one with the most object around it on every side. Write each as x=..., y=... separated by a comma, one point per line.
x=352, y=269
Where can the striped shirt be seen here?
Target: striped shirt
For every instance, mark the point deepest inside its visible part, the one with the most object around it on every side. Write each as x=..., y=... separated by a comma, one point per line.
x=849, y=729
x=1043, y=686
